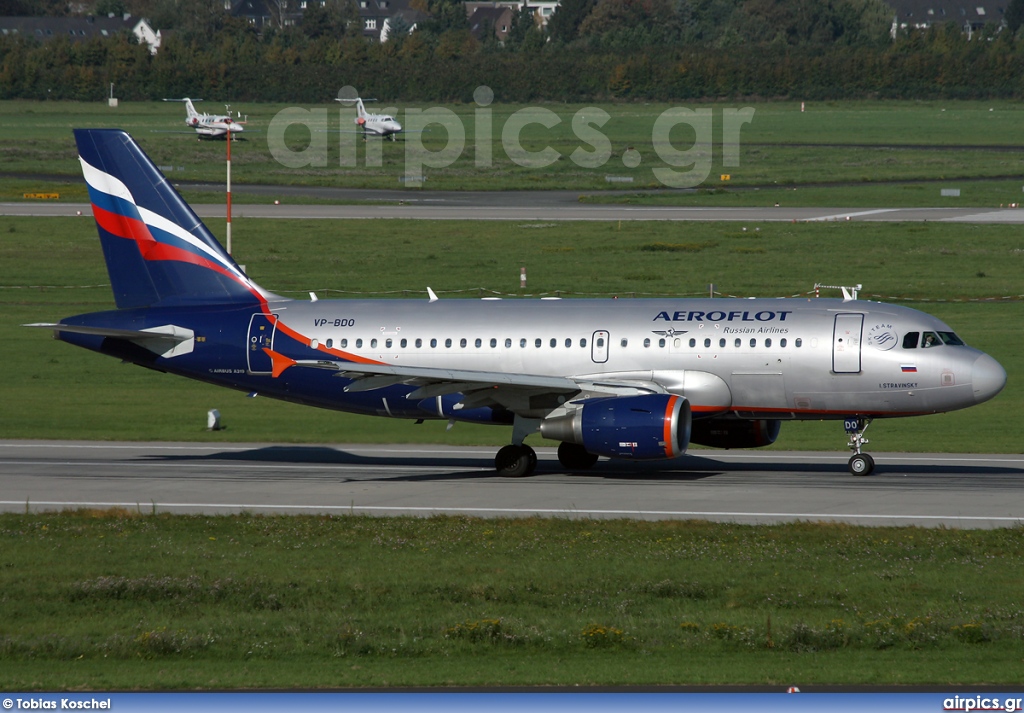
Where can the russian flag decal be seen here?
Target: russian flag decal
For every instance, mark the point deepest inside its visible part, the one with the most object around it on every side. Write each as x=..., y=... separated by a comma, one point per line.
x=908, y=368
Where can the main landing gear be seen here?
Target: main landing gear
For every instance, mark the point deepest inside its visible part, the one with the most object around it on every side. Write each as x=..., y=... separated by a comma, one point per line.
x=515, y=461
x=860, y=463
x=519, y=461
x=575, y=457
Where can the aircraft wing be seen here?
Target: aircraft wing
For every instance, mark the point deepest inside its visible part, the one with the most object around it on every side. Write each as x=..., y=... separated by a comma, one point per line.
x=168, y=340
x=516, y=392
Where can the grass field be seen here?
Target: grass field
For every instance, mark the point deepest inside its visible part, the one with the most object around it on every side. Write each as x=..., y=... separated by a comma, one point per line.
x=966, y=274
x=130, y=601
x=847, y=142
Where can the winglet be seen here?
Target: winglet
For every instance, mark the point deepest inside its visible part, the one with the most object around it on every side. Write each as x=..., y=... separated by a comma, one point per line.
x=430, y=293
x=279, y=362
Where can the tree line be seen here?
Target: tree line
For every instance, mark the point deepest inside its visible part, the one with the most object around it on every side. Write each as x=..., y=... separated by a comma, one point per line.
x=592, y=50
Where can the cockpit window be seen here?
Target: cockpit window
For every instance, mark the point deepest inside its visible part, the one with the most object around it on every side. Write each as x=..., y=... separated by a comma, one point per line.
x=910, y=340
x=931, y=339
x=951, y=339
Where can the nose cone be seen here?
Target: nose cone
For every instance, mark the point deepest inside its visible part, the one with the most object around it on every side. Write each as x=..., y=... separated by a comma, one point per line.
x=987, y=377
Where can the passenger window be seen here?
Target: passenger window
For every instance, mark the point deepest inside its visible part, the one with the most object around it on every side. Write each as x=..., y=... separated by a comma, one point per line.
x=799, y=342
x=782, y=342
x=494, y=342
x=753, y=342
x=647, y=342
x=583, y=343
x=767, y=342
x=600, y=342
x=419, y=343
x=707, y=342
x=359, y=344
x=522, y=344
x=624, y=342
x=329, y=344
x=448, y=343
x=661, y=342
x=344, y=343
x=553, y=342
x=404, y=343
x=373, y=344
x=462, y=342
x=910, y=340
x=508, y=343
x=388, y=344
x=721, y=342
x=693, y=342
x=738, y=343
x=537, y=343
x=433, y=344
x=479, y=343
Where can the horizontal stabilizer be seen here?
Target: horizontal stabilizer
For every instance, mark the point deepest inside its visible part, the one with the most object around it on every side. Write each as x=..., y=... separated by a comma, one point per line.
x=167, y=340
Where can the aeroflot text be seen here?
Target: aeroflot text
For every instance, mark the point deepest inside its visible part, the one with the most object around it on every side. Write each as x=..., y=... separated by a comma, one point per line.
x=64, y=704
x=981, y=703
x=720, y=316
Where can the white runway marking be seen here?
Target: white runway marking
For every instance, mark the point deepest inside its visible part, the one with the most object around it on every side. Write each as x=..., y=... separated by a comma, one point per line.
x=844, y=216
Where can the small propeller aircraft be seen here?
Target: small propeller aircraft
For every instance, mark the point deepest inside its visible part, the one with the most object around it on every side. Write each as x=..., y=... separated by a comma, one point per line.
x=210, y=125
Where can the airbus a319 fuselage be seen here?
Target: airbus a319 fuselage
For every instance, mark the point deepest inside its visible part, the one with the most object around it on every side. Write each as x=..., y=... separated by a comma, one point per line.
x=637, y=379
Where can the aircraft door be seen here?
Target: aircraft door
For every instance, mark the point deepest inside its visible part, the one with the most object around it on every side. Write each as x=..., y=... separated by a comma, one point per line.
x=599, y=347
x=846, y=343
x=261, y=336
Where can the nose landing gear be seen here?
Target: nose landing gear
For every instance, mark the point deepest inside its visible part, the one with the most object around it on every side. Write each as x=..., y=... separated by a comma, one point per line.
x=860, y=463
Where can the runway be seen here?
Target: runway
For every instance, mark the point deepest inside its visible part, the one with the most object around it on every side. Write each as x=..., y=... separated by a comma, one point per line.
x=927, y=490
x=462, y=207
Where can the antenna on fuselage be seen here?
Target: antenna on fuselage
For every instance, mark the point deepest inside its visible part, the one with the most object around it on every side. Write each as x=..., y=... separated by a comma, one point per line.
x=849, y=292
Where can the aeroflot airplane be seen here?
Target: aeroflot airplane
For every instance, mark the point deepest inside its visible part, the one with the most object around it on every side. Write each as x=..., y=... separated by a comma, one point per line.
x=632, y=379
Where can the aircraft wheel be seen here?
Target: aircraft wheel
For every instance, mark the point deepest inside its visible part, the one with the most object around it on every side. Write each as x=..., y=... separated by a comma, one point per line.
x=575, y=457
x=532, y=455
x=515, y=461
x=862, y=464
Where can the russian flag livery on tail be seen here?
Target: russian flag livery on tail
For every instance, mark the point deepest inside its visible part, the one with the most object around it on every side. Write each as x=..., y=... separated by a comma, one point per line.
x=602, y=377
x=158, y=252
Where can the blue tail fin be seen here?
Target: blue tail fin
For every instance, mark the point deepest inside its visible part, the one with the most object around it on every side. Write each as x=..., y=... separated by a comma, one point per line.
x=157, y=250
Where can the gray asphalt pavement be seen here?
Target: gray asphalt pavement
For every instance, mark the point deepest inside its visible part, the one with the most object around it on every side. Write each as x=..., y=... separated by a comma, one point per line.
x=951, y=490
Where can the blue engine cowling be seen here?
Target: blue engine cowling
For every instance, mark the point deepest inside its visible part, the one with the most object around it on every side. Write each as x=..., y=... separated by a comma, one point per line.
x=650, y=427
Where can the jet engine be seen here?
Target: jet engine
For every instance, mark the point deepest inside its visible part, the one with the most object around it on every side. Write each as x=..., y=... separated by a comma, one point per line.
x=722, y=433
x=649, y=427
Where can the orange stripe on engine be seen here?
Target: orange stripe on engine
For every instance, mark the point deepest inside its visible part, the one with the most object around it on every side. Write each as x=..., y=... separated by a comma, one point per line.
x=669, y=444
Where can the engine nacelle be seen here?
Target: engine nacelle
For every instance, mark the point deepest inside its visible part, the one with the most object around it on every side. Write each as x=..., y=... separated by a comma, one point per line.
x=722, y=433
x=650, y=427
